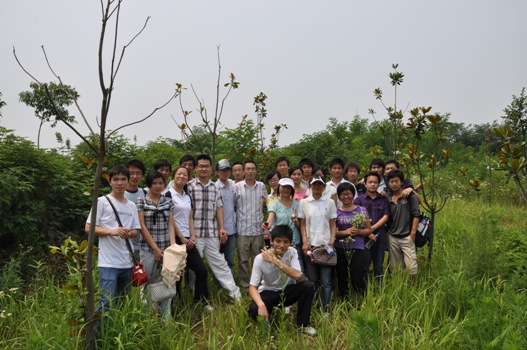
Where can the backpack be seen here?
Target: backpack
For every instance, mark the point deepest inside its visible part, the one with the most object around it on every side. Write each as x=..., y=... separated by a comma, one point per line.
x=424, y=231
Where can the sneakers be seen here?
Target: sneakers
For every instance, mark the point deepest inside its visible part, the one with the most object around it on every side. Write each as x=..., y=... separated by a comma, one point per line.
x=309, y=331
x=287, y=310
x=208, y=308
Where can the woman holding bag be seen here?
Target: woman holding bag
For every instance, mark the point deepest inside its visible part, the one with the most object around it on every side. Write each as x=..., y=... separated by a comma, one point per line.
x=157, y=229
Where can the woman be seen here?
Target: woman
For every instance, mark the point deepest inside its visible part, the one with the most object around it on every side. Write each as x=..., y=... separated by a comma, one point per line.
x=295, y=173
x=272, y=180
x=157, y=229
x=184, y=228
x=352, y=171
x=353, y=226
x=284, y=212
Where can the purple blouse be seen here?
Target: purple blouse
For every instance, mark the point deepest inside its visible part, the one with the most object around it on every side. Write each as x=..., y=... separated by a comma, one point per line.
x=344, y=221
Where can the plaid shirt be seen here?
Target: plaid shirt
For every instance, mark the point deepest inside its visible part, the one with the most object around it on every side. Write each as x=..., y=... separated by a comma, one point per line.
x=206, y=200
x=156, y=221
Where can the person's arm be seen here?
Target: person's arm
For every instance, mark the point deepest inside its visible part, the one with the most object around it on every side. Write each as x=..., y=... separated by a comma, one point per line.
x=158, y=253
x=333, y=230
x=303, y=231
x=220, y=218
x=255, y=296
x=122, y=232
x=171, y=228
x=269, y=256
x=366, y=231
x=270, y=220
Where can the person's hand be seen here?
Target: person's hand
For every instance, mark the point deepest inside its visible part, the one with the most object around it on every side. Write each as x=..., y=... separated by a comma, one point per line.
x=223, y=236
x=354, y=230
x=122, y=232
x=268, y=255
x=158, y=254
x=406, y=192
x=262, y=311
x=372, y=237
x=305, y=247
x=412, y=236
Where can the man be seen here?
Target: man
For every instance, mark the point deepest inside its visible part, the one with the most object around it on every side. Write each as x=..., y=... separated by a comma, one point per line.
x=352, y=171
x=250, y=197
x=164, y=167
x=209, y=225
x=379, y=211
x=226, y=187
x=137, y=171
x=282, y=166
x=407, y=186
x=335, y=167
x=405, y=215
x=115, y=263
x=378, y=165
x=237, y=171
x=307, y=166
x=276, y=278
x=188, y=162
x=318, y=215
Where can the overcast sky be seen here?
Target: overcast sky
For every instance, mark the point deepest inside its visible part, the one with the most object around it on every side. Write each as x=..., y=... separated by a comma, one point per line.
x=313, y=59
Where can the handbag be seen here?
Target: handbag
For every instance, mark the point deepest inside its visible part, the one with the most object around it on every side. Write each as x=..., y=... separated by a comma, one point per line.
x=157, y=290
x=322, y=257
x=139, y=276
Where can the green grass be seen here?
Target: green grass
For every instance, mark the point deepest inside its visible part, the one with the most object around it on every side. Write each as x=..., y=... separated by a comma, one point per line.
x=472, y=296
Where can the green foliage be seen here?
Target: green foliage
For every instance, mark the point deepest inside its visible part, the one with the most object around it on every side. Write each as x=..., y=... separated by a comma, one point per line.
x=2, y=104
x=41, y=195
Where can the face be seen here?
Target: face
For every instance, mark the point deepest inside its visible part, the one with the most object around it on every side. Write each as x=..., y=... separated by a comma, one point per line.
x=189, y=165
x=346, y=197
x=336, y=171
x=250, y=171
x=286, y=191
x=273, y=182
x=372, y=184
x=237, y=172
x=307, y=170
x=181, y=177
x=377, y=168
x=352, y=174
x=136, y=175
x=395, y=184
x=165, y=170
x=296, y=176
x=223, y=174
x=204, y=169
x=158, y=186
x=317, y=188
x=280, y=245
x=119, y=183
x=283, y=168
x=389, y=167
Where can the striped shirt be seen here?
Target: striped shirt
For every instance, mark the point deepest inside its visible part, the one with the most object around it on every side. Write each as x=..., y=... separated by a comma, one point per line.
x=248, y=203
x=206, y=200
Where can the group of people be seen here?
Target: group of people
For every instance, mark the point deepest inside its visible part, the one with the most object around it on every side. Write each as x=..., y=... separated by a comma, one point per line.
x=359, y=219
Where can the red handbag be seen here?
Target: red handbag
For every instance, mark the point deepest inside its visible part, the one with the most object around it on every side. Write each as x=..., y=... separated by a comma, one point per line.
x=139, y=276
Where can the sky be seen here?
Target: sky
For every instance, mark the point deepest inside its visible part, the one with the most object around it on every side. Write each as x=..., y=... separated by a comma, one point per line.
x=313, y=59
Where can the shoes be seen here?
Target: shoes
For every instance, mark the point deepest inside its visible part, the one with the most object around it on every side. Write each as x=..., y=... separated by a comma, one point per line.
x=208, y=308
x=326, y=315
x=309, y=331
x=288, y=310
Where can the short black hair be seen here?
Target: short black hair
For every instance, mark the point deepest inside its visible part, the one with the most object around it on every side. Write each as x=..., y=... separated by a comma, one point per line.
x=282, y=231
x=282, y=159
x=378, y=162
x=161, y=163
x=306, y=161
x=323, y=170
x=345, y=186
x=336, y=161
x=152, y=175
x=372, y=173
x=186, y=158
x=237, y=163
x=395, y=173
x=136, y=163
x=119, y=169
x=393, y=161
x=272, y=173
x=204, y=157
x=352, y=165
x=250, y=161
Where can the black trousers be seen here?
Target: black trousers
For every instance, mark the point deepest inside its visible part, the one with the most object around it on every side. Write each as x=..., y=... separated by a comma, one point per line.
x=354, y=269
x=302, y=292
x=196, y=264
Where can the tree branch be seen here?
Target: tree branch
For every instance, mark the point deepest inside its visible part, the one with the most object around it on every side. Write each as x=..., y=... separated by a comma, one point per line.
x=129, y=43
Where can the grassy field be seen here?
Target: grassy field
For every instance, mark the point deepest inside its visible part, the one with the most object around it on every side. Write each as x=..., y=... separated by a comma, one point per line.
x=472, y=296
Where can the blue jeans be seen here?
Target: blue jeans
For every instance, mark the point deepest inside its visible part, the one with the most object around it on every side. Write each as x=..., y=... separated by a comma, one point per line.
x=320, y=275
x=113, y=282
x=229, y=251
x=377, y=257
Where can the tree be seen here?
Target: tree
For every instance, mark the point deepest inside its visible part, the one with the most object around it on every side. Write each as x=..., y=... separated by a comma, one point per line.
x=512, y=151
x=2, y=104
x=45, y=108
x=98, y=142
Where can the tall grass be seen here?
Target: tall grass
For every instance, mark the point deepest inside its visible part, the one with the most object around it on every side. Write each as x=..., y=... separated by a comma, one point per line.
x=469, y=297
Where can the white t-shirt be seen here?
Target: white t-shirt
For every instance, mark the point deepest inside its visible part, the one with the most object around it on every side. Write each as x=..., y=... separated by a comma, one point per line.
x=113, y=251
x=182, y=208
x=317, y=215
x=267, y=276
